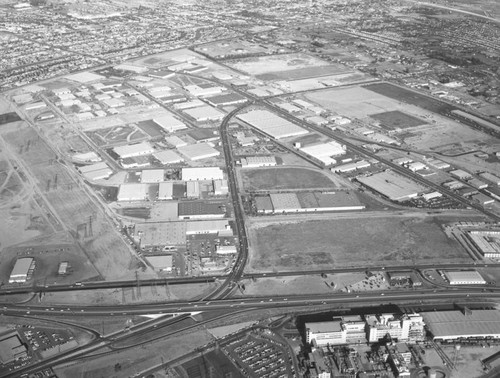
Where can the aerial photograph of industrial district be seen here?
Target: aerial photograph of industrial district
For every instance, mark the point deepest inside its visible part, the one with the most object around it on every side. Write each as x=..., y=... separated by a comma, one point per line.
x=261, y=189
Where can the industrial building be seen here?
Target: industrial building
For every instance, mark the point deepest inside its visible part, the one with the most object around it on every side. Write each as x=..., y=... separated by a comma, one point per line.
x=349, y=167
x=22, y=270
x=143, y=148
x=198, y=151
x=221, y=187
x=325, y=151
x=478, y=184
x=461, y=174
x=133, y=192
x=487, y=241
x=168, y=157
x=154, y=234
x=491, y=178
x=344, y=330
x=205, y=113
x=454, y=325
x=392, y=185
x=469, y=277
x=203, y=90
x=201, y=210
x=482, y=199
x=271, y=124
x=285, y=202
x=406, y=327
x=166, y=190
x=438, y=164
x=215, y=226
x=96, y=171
x=226, y=99
x=163, y=263
x=264, y=205
x=11, y=348
x=175, y=141
x=193, y=189
x=204, y=135
x=258, y=161
x=226, y=250
x=63, y=268
x=169, y=123
x=152, y=176
x=202, y=173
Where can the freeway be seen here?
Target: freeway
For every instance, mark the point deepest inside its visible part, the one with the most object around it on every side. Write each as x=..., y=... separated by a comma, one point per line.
x=239, y=215
x=358, y=298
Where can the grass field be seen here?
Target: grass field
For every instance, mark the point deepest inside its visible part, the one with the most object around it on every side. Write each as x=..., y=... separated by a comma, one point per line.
x=397, y=120
x=351, y=242
x=284, y=178
x=305, y=73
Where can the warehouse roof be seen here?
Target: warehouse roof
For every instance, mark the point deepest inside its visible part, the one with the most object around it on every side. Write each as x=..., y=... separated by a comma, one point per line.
x=152, y=175
x=226, y=99
x=392, y=185
x=22, y=266
x=175, y=141
x=166, y=190
x=322, y=327
x=198, y=151
x=206, y=226
x=285, y=201
x=142, y=148
x=93, y=167
x=204, y=113
x=201, y=208
x=464, y=277
x=202, y=173
x=168, y=157
x=169, y=123
x=272, y=124
x=264, y=203
x=162, y=233
x=450, y=324
x=132, y=192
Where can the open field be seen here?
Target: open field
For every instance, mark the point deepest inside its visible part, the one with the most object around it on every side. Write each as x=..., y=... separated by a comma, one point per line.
x=284, y=178
x=351, y=242
x=305, y=73
x=397, y=120
x=117, y=135
x=278, y=63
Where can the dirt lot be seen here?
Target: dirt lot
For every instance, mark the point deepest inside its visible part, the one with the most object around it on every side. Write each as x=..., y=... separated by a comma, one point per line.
x=284, y=178
x=350, y=242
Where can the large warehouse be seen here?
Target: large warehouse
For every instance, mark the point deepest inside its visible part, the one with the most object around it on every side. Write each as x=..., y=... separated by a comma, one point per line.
x=11, y=348
x=143, y=148
x=154, y=234
x=201, y=210
x=169, y=123
x=198, y=151
x=325, y=151
x=205, y=113
x=166, y=190
x=152, y=176
x=272, y=124
x=392, y=185
x=22, y=269
x=452, y=325
x=487, y=241
x=202, y=173
x=470, y=277
x=168, y=157
x=258, y=161
x=133, y=192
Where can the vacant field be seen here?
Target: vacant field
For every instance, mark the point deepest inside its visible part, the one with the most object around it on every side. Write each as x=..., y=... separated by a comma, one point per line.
x=284, y=178
x=8, y=118
x=411, y=97
x=351, y=242
x=397, y=120
x=117, y=135
x=277, y=63
x=305, y=73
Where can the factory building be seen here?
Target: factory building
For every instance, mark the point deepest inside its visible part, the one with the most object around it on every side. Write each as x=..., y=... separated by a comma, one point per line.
x=169, y=123
x=133, y=192
x=96, y=171
x=152, y=176
x=226, y=99
x=203, y=90
x=392, y=185
x=62, y=270
x=454, y=325
x=478, y=184
x=215, y=226
x=438, y=164
x=166, y=190
x=205, y=113
x=324, y=152
x=226, y=250
x=168, y=157
x=461, y=174
x=221, y=187
x=482, y=199
x=349, y=167
x=487, y=241
x=491, y=178
x=198, y=151
x=271, y=124
x=407, y=327
x=285, y=202
x=11, y=348
x=453, y=185
x=264, y=205
x=201, y=210
x=143, y=148
x=470, y=277
x=22, y=270
x=202, y=173
x=344, y=330
x=258, y=161
x=193, y=189
x=175, y=141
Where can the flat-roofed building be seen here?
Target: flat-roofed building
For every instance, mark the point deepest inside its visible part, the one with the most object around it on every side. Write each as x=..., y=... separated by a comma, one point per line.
x=258, y=161
x=221, y=187
x=11, y=348
x=201, y=210
x=285, y=202
x=487, y=241
x=205, y=113
x=272, y=124
x=478, y=184
x=468, y=277
x=226, y=99
x=349, y=167
x=325, y=152
x=453, y=185
x=193, y=189
x=264, y=204
x=404, y=327
x=133, y=192
x=454, y=324
x=438, y=164
x=63, y=268
x=482, y=199
x=461, y=174
x=22, y=270
x=168, y=157
x=175, y=141
x=152, y=176
x=96, y=171
x=213, y=226
x=166, y=190
x=169, y=123
x=343, y=330
x=202, y=173
x=226, y=250
x=198, y=151
x=131, y=150
x=156, y=234
x=392, y=185
x=491, y=178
